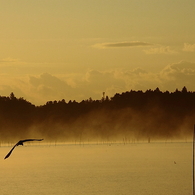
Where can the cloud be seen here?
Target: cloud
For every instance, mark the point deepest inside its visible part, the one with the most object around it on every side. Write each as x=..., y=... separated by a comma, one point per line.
x=123, y=44
x=179, y=74
x=189, y=47
x=8, y=60
x=183, y=67
x=118, y=81
x=103, y=81
x=18, y=85
x=140, y=79
x=47, y=87
x=160, y=50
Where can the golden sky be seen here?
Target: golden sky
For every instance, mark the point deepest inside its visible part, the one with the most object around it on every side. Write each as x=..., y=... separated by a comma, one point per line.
x=76, y=49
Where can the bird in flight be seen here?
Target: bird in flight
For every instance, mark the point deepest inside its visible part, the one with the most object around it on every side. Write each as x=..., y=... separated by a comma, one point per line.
x=21, y=143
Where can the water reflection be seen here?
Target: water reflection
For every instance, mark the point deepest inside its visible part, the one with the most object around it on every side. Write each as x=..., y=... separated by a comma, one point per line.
x=98, y=169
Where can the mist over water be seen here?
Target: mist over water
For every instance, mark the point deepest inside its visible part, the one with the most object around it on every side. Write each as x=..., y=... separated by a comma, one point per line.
x=139, y=168
x=132, y=115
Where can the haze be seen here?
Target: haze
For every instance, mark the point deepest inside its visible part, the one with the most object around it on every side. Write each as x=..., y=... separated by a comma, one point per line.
x=127, y=117
x=73, y=50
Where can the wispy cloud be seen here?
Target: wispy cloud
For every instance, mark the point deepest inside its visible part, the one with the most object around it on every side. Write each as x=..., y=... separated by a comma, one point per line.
x=8, y=60
x=123, y=44
x=181, y=68
x=160, y=50
x=189, y=47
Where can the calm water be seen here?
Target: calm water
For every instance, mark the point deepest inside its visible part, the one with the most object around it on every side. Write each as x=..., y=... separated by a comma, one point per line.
x=117, y=169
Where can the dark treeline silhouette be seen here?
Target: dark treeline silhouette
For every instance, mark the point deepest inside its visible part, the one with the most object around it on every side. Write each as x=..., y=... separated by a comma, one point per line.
x=130, y=115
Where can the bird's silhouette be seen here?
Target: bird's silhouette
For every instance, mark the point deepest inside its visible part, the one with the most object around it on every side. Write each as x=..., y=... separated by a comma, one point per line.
x=20, y=143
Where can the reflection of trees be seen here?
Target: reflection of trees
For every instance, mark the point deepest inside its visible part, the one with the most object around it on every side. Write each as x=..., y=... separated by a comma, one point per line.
x=132, y=113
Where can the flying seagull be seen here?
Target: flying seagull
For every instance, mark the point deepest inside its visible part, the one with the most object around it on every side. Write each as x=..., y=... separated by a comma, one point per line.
x=21, y=143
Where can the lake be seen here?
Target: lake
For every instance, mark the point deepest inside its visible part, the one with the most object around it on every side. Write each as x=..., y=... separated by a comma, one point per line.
x=92, y=169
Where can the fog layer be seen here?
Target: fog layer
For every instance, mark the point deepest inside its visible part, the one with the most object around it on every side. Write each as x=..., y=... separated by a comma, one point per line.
x=132, y=115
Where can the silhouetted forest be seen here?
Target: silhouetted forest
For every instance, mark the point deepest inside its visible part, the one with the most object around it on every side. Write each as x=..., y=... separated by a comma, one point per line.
x=131, y=115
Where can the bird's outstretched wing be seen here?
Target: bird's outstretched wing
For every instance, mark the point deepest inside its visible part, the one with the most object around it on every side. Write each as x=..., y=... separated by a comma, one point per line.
x=10, y=152
x=27, y=140
x=20, y=143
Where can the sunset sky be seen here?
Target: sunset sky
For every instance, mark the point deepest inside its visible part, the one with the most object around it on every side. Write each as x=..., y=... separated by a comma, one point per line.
x=77, y=49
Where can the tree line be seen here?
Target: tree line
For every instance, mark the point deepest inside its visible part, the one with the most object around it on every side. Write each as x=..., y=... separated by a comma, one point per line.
x=128, y=115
